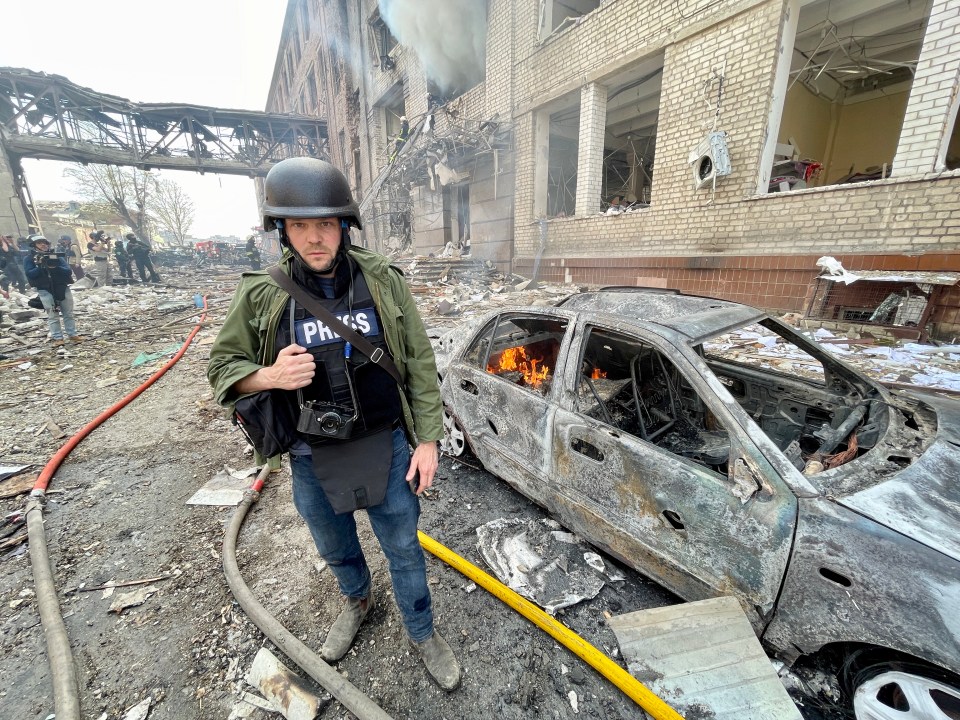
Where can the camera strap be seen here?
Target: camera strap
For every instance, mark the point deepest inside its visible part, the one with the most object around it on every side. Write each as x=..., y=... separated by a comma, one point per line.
x=376, y=355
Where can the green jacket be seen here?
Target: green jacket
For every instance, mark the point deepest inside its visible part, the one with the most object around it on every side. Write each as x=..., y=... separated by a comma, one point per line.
x=246, y=341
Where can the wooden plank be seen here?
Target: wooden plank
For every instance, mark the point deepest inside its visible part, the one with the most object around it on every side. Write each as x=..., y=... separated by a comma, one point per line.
x=705, y=660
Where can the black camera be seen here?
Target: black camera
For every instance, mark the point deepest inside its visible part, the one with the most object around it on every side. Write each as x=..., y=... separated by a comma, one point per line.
x=326, y=420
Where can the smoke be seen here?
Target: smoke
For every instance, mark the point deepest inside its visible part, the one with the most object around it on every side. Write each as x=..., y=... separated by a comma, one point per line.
x=449, y=37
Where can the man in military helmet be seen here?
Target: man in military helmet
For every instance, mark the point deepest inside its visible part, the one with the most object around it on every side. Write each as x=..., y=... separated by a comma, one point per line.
x=356, y=452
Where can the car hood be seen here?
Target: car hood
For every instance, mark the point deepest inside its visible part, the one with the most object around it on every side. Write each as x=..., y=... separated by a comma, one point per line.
x=921, y=501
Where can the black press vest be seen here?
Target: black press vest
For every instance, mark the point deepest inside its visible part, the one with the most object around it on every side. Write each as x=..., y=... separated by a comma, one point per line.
x=375, y=390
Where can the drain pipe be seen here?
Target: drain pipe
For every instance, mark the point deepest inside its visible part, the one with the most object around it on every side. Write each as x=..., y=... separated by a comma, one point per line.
x=630, y=686
x=338, y=686
x=63, y=673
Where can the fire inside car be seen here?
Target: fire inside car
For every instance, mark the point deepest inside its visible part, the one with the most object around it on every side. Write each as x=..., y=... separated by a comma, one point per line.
x=523, y=351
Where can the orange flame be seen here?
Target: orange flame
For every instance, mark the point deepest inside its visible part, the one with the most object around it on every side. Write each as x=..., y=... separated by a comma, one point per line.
x=597, y=374
x=515, y=359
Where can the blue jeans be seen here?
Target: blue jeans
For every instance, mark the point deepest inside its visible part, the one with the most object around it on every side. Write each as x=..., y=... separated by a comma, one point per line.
x=53, y=317
x=394, y=522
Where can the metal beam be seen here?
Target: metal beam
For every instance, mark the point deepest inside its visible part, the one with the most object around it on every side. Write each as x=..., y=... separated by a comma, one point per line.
x=49, y=117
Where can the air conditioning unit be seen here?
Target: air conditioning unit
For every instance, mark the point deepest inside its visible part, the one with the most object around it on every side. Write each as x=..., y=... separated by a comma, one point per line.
x=710, y=159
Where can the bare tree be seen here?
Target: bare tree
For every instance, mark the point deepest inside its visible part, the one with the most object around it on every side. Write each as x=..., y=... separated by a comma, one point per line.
x=173, y=209
x=126, y=190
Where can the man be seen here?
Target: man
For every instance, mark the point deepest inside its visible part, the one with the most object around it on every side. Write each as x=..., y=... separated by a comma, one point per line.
x=270, y=342
x=124, y=259
x=99, y=247
x=72, y=252
x=49, y=273
x=140, y=250
x=11, y=266
x=253, y=253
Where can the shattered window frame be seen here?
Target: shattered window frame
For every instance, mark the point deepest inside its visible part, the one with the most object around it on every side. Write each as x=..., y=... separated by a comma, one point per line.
x=516, y=368
x=831, y=74
x=548, y=11
x=667, y=412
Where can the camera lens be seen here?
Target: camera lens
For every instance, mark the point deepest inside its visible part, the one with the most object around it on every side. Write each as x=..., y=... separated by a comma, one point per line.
x=330, y=423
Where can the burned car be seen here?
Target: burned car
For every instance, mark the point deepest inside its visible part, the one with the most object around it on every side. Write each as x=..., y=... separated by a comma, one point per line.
x=675, y=433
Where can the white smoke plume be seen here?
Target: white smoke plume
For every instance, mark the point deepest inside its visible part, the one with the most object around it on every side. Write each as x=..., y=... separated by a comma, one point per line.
x=449, y=37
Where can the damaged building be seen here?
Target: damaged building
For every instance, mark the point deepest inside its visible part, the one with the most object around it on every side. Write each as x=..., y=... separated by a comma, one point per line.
x=717, y=147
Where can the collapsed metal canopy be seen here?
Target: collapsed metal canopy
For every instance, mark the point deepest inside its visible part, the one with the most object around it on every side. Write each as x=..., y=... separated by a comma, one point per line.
x=48, y=117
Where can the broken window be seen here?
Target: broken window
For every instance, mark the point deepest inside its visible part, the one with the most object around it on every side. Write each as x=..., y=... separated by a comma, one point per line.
x=383, y=43
x=630, y=138
x=564, y=147
x=521, y=350
x=632, y=386
x=952, y=159
x=556, y=15
x=846, y=91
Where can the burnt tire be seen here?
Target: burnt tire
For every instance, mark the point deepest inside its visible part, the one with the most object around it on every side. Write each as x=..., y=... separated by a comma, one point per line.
x=887, y=687
x=454, y=441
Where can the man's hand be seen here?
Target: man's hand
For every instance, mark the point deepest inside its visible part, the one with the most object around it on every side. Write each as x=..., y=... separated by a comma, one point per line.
x=294, y=368
x=424, y=461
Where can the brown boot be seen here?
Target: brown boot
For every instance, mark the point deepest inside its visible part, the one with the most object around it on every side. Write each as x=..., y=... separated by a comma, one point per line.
x=439, y=660
x=345, y=627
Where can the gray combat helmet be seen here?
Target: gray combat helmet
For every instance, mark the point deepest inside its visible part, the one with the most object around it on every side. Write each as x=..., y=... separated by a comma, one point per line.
x=307, y=188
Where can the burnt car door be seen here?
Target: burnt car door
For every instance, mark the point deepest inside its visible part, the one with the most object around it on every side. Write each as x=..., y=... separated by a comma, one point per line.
x=502, y=389
x=651, y=466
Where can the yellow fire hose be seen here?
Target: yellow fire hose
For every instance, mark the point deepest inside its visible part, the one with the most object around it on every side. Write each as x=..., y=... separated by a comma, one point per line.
x=630, y=686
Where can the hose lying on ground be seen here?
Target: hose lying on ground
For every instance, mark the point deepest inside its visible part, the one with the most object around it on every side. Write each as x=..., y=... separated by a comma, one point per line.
x=311, y=663
x=63, y=673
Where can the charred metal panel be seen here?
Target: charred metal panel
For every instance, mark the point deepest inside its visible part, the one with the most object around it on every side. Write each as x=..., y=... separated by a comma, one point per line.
x=853, y=580
x=673, y=512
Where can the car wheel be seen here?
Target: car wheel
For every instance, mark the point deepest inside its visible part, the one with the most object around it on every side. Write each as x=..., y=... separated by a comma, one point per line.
x=904, y=691
x=454, y=441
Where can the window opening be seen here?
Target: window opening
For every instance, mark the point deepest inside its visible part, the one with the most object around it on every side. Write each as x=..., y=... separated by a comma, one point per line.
x=384, y=43
x=555, y=15
x=564, y=148
x=635, y=388
x=953, y=144
x=522, y=351
x=633, y=108
x=850, y=75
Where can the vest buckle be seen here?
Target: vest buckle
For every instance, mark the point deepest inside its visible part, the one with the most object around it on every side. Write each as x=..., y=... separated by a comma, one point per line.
x=377, y=356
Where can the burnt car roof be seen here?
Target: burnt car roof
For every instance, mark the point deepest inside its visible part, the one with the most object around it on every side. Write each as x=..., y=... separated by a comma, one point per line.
x=696, y=317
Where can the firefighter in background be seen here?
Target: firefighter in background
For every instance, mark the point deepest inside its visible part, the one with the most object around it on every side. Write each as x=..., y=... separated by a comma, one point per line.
x=140, y=251
x=124, y=259
x=253, y=253
x=99, y=247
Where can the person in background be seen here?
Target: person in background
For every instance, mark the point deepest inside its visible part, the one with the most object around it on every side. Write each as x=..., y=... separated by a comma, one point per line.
x=253, y=253
x=71, y=250
x=124, y=259
x=50, y=274
x=11, y=266
x=140, y=250
x=99, y=247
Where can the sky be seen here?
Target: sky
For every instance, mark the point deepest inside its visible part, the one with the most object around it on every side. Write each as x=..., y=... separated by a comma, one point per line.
x=202, y=52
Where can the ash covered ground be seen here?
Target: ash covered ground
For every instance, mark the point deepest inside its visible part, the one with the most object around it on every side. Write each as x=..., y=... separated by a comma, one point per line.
x=116, y=513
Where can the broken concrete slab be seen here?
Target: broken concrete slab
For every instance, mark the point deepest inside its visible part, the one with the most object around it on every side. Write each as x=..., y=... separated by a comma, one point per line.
x=132, y=599
x=225, y=488
x=288, y=692
x=704, y=659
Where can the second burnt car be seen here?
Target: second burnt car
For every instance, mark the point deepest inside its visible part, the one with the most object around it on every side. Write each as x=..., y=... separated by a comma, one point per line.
x=718, y=451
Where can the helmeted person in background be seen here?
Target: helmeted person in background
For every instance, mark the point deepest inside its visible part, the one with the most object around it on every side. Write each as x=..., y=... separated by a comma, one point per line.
x=253, y=253
x=11, y=266
x=123, y=258
x=140, y=250
x=305, y=364
x=72, y=252
x=99, y=247
x=50, y=274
